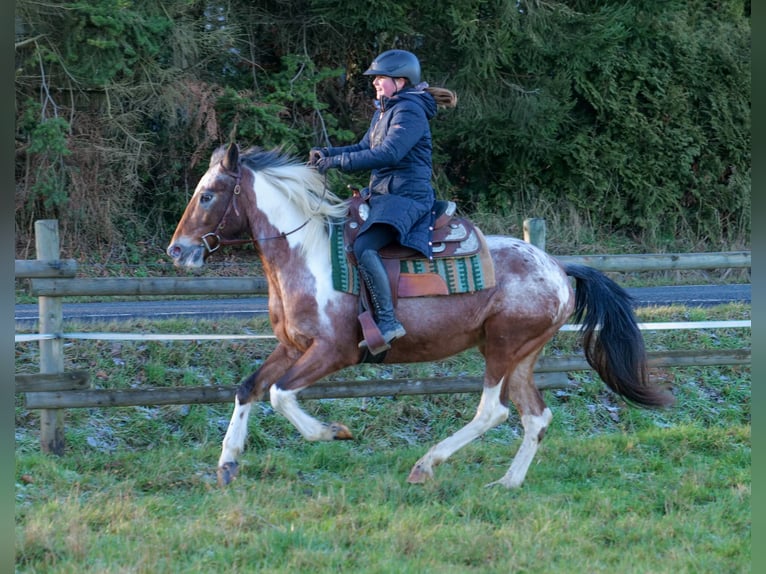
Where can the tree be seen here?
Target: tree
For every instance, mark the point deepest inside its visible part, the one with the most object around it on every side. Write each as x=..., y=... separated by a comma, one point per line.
x=635, y=115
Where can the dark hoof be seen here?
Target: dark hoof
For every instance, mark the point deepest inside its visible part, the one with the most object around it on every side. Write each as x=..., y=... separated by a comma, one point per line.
x=420, y=475
x=341, y=432
x=227, y=473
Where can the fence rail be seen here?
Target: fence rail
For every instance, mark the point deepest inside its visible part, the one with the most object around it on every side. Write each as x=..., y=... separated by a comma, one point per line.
x=548, y=373
x=53, y=390
x=146, y=286
x=54, y=268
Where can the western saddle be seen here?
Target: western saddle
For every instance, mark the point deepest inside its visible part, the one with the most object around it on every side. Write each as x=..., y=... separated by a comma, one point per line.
x=452, y=236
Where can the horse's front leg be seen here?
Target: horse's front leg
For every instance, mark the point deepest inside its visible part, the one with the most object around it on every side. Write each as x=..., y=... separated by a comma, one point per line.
x=251, y=389
x=286, y=403
x=321, y=359
x=233, y=442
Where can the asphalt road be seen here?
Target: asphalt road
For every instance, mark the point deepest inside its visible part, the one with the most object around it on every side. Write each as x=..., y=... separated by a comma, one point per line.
x=690, y=295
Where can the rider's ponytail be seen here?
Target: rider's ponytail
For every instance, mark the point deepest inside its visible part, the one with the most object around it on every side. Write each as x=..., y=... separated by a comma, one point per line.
x=444, y=98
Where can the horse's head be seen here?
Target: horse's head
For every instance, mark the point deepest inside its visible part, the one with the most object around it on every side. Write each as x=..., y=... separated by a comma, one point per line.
x=212, y=212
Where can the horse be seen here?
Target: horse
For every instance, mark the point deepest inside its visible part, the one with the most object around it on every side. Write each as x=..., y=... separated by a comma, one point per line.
x=282, y=205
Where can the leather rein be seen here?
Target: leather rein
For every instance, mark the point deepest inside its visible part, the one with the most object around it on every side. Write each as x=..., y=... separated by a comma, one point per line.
x=232, y=205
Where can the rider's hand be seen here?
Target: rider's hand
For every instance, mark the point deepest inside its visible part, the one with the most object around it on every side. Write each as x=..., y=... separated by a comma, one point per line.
x=324, y=163
x=316, y=153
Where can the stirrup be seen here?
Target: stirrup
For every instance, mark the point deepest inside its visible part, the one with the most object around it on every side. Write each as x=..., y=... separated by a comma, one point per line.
x=377, y=350
x=396, y=333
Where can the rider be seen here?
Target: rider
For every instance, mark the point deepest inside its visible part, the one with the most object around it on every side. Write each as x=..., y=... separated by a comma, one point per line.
x=397, y=149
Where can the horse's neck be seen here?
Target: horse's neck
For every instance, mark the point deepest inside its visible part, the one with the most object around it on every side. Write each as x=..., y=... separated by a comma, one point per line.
x=294, y=246
x=290, y=253
x=271, y=214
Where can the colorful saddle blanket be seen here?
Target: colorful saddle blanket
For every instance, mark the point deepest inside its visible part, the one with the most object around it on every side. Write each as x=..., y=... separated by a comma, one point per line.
x=461, y=263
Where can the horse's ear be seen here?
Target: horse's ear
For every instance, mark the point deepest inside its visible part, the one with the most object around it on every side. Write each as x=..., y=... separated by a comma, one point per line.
x=231, y=159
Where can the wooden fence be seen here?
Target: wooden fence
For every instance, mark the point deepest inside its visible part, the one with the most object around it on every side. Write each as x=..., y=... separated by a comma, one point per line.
x=53, y=390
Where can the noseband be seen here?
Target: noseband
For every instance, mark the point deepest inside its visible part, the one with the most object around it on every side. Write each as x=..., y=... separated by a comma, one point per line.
x=215, y=235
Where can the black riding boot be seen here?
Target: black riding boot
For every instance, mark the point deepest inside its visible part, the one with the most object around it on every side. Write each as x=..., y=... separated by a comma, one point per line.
x=376, y=279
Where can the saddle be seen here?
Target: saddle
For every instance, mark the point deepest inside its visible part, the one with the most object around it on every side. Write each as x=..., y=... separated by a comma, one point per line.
x=461, y=263
x=452, y=237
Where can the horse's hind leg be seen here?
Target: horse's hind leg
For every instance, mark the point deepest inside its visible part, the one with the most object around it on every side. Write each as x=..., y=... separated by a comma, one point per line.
x=517, y=386
x=535, y=418
x=490, y=413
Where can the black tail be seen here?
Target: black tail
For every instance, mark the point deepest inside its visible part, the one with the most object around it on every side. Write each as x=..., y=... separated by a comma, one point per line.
x=617, y=351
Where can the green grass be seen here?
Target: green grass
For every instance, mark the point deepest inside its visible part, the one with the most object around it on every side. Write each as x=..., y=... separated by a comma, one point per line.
x=661, y=500
x=612, y=489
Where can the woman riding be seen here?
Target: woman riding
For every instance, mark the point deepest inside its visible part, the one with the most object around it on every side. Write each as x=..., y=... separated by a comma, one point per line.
x=397, y=149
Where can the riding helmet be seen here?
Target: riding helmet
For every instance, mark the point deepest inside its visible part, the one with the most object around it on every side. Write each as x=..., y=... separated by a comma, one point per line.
x=396, y=64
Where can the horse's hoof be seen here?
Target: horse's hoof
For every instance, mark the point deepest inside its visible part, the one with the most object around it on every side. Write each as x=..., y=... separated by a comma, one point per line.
x=227, y=472
x=503, y=483
x=340, y=432
x=419, y=475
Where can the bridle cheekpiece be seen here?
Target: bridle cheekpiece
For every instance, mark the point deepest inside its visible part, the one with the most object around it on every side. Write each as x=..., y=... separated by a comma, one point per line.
x=219, y=241
x=237, y=175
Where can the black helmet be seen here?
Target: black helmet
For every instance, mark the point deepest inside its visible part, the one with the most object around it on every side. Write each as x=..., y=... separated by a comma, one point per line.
x=396, y=64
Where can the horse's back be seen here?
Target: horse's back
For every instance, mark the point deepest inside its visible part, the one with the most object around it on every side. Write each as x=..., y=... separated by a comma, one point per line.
x=527, y=283
x=531, y=298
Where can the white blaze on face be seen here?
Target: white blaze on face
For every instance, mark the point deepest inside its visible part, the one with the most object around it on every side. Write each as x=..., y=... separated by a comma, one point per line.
x=207, y=182
x=192, y=255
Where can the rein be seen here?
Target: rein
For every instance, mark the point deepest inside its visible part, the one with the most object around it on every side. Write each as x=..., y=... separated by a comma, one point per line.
x=219, y=241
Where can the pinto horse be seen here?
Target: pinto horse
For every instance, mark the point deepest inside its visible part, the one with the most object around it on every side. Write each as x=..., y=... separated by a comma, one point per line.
x=282, y=205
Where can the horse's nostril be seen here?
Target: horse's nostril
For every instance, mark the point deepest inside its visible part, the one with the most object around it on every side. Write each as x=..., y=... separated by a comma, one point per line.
x=174, y=251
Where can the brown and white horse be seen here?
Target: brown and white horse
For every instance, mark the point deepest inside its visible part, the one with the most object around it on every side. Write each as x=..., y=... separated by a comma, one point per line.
x=282, y=205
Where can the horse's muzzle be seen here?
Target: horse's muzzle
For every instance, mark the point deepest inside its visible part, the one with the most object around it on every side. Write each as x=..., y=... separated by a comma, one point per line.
x=185, y=256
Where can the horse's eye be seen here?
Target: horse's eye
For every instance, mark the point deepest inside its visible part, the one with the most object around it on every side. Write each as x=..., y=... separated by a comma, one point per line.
x=205, y=198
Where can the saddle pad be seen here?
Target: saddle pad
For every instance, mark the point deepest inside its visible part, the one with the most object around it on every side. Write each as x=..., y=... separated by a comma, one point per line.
x=464, y=274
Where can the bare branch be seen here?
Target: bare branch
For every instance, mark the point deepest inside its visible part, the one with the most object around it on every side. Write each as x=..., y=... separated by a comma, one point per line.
x=18, y=45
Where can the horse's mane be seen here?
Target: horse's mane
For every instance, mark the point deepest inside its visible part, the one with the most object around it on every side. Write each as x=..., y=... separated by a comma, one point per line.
x=301, y=185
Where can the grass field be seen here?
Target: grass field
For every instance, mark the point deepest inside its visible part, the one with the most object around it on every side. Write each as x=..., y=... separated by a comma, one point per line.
x=612, y=489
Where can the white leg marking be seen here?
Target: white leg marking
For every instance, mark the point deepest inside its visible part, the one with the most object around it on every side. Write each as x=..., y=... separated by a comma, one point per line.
x=285, y=403
x=534, y=426
x=234, y=441
x=489, y=414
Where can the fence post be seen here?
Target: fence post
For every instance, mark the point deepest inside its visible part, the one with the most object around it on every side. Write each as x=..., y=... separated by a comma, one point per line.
x=51, y=350
x=534, y=232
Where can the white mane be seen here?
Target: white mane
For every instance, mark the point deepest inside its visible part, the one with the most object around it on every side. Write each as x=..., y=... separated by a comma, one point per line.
x=299, y=186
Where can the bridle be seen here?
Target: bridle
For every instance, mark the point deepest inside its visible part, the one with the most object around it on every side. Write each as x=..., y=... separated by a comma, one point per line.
x=232, y=205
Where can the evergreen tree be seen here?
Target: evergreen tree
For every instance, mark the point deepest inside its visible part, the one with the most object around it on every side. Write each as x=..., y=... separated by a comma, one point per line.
x=635, y=116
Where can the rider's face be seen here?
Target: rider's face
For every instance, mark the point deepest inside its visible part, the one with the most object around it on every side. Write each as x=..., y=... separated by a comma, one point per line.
x=385, y=86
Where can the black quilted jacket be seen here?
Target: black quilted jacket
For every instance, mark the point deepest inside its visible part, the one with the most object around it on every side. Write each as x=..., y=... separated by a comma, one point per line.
x=397, y=149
